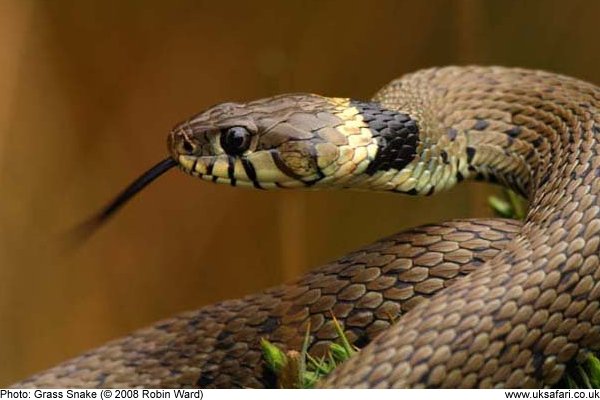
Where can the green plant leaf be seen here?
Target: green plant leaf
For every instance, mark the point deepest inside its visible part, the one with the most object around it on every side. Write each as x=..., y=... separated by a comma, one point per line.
x=274, y=357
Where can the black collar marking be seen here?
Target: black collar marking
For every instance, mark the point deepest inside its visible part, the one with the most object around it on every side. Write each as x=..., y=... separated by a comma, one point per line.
x=397, y=136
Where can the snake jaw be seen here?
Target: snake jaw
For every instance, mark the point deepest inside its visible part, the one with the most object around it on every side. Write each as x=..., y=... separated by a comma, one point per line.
x=278, y=152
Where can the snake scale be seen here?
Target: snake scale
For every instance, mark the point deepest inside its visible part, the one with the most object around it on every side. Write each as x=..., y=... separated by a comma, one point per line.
x=476, y=303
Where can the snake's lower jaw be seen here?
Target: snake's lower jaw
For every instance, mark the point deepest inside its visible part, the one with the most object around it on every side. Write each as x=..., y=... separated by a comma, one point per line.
x=256, y=170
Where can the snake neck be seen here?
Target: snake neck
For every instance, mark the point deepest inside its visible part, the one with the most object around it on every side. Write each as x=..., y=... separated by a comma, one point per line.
x=523, y=129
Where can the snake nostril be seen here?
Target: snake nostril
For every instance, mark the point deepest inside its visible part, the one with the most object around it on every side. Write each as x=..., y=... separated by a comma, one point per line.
x=187, y=146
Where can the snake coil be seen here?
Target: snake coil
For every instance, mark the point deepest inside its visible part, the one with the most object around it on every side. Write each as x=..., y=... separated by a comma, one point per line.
x=479, y=303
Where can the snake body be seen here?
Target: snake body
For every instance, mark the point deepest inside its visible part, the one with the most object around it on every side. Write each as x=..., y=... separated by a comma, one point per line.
x=528, y=308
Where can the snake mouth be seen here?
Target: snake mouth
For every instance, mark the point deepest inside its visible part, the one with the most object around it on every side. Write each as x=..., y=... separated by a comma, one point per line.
x=260, y=170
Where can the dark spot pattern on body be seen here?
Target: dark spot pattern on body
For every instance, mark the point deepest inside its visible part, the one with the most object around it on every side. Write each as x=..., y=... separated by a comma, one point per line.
x=470, y=154
x=204, y=380
x=480, y=125
x=452, y=133
x=513, y=132
x=270, y=324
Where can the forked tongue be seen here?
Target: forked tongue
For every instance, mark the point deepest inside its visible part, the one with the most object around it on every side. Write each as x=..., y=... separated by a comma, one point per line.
x=87, y=228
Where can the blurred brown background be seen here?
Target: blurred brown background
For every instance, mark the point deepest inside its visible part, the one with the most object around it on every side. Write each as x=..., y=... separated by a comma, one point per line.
x=89, y=89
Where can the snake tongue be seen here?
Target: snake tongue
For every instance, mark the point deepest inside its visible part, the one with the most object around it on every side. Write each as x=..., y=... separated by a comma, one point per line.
x=88, y=227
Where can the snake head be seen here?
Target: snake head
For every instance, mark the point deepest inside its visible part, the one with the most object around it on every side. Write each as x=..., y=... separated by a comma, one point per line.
x=294, y=140
x=289, y=141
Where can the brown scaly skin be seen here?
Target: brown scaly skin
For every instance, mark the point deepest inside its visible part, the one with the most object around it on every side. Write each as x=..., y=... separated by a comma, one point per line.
x=218, y=345
x=525, y=313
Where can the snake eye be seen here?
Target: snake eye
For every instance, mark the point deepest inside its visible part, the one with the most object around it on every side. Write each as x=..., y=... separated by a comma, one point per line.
x=235, y=140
